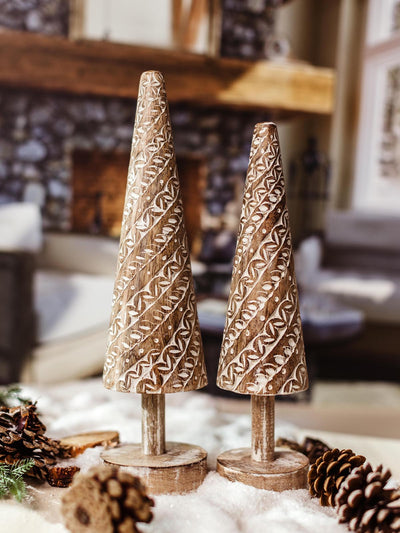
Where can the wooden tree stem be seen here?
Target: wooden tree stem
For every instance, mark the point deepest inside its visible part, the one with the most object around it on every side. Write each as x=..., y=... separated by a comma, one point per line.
x=153, y=424
x=262, y=428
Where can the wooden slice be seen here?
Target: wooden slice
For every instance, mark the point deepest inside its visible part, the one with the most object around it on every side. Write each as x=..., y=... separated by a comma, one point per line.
x=287, y=471
x=182, y=468
x=80, y=442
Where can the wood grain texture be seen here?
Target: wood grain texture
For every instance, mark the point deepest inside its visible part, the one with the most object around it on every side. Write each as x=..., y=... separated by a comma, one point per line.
x=182, y=468
x=154, y=343
x=287, y=471
x=153, y=424
x=110, y=69
x=263, y=428
x=82, y=441
x=262, y=349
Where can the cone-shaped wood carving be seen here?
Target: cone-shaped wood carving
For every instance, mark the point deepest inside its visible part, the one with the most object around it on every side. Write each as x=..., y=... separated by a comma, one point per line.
x=154, y=338
x=262, y=350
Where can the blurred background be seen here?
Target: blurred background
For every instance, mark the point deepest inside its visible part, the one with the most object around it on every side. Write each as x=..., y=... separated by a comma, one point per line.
x=328, y=72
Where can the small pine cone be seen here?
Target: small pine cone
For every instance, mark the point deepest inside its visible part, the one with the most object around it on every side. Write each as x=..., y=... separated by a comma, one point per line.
x=106, y=499
x=364, y=502
x=329, y=471
x=22, y=437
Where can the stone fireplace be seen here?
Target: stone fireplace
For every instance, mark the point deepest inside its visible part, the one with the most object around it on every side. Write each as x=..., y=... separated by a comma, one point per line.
x=48, y=141
x=62, y=151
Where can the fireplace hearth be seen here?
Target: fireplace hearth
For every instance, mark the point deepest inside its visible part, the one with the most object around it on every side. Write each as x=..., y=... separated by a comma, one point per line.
x=98, y=192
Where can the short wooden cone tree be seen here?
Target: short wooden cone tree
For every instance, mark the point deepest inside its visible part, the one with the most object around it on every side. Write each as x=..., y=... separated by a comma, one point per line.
x=154, y=344
x=262, y=350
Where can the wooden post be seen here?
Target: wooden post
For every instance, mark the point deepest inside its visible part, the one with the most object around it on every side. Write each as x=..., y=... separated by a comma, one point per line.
x=153, y=424
x=263, y=428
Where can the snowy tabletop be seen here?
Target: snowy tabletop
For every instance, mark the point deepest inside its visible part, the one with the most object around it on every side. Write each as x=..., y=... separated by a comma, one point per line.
x=217, y=506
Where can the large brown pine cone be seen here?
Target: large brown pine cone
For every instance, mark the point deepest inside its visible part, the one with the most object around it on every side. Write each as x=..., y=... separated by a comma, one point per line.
x=22, y=437
x=312, y=448
x=365, y=504
x=106, y=499
x=329, y=471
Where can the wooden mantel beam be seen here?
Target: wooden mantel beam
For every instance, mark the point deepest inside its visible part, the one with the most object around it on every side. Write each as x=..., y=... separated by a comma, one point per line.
x=36, y=61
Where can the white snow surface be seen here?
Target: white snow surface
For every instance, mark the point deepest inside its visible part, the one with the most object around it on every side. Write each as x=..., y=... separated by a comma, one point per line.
x=218, y=506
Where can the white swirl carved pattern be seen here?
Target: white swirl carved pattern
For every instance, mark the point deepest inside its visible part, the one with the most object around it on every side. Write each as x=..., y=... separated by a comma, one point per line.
x=262, y=350
x=154, y=341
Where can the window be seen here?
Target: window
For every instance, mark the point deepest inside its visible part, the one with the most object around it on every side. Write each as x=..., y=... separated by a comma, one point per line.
x=377, y=183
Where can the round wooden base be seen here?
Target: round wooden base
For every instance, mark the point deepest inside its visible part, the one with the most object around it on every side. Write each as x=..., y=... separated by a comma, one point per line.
x=182, y=468
x=287, y=471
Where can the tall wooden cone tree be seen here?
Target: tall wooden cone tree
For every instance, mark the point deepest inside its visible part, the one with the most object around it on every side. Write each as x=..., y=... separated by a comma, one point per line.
x=263, y=350
x=154, y=342
x=154, y=338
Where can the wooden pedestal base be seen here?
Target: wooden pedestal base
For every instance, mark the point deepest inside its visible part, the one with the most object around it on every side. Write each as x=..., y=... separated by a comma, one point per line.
x=180, y=469
x=287, y=471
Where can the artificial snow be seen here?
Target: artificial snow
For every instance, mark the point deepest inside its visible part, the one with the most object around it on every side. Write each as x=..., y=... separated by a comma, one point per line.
x=218, y=506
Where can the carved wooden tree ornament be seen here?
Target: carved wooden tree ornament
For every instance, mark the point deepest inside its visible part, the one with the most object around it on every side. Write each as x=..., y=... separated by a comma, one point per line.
x=263, y=350
x=154, y=344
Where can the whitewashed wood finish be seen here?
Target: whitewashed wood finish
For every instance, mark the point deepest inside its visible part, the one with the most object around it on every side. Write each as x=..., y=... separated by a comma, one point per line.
x=262, y=350
x=154, y=342
x=263, y=428
x=77, y=444
x=153, y=424
x=181, y=468
x=288, y=470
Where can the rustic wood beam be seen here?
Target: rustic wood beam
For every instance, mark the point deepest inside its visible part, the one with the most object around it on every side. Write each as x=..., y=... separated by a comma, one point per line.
x=102, y=68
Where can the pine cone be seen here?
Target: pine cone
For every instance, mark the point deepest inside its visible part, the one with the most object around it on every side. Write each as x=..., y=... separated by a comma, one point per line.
x=106, y=499
x=329, y=471
x=312, y=448
x=22, y=437
x=365, y=504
